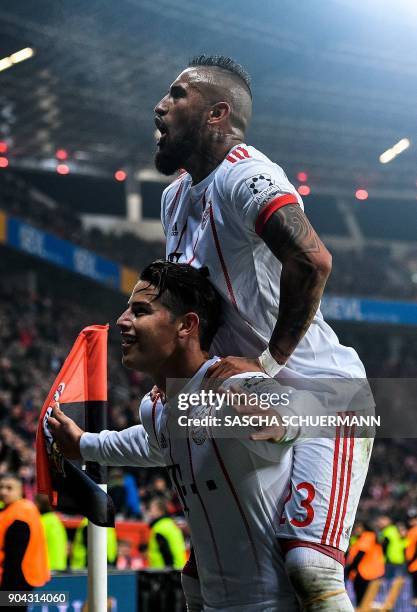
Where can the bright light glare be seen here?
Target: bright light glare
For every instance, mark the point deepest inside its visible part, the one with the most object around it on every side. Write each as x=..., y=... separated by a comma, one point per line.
x=62, y=169
x=22, y=55
x=302, y=177
x=15, y=58
x=395, y=150
x=361, y=194
x=5, y=63
x=304, y=190
x=120, y=175
x=401, y=146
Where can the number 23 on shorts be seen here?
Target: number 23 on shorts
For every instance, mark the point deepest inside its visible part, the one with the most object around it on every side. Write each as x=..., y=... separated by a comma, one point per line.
x=306, y=503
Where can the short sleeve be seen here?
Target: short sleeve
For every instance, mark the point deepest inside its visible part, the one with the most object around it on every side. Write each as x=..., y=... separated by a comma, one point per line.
x=257, y=188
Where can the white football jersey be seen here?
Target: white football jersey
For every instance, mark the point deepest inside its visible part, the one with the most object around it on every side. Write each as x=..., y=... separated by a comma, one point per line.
x=232, y=492
x=217, y=223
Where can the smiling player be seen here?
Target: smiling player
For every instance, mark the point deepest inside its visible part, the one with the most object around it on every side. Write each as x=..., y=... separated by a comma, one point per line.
x=231, y=489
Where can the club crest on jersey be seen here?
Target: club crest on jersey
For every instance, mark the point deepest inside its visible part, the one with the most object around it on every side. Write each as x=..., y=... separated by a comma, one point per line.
x=262, y=187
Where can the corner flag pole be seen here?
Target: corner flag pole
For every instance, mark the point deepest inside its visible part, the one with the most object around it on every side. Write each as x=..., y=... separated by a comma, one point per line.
x=95, y=421
x=97, y=566
x=81, y=389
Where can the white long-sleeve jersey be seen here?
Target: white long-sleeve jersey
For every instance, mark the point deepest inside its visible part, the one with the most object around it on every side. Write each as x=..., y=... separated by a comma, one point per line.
x=231, y=490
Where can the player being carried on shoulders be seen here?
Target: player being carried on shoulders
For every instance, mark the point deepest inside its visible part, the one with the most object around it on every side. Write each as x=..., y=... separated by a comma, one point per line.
x=234, y=211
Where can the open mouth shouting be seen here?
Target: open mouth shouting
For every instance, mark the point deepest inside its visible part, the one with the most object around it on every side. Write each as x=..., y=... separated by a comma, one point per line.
x=127, y=341
x=163, y=130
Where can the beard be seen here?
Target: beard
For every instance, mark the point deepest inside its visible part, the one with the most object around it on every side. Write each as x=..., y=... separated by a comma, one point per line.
x=174, y=153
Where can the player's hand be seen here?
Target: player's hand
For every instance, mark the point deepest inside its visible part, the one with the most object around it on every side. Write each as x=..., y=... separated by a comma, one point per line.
x=66, y=433
x=230, y=366
x=272, y=433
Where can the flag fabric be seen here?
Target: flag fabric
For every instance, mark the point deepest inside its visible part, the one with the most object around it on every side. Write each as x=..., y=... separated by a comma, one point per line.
x=81, y=390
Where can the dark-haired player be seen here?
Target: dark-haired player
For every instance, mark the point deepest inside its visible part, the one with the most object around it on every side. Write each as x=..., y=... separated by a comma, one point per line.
x=231, y=490
x=234, y=211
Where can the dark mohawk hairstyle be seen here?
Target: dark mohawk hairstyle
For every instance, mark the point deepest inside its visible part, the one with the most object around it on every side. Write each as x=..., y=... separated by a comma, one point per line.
x=221, y=61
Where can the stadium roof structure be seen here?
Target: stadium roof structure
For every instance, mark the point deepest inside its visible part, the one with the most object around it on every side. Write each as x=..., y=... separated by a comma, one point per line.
x=334, y=82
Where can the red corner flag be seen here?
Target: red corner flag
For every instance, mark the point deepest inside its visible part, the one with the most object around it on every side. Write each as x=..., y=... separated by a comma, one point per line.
x=81, y=389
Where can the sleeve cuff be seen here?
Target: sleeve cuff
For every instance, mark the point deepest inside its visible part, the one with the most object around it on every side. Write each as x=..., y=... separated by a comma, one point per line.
x=271, y=207
x=89, y=446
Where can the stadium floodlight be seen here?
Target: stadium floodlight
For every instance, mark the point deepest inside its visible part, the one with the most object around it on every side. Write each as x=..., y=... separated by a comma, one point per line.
x=22, y=55
x=401, y=146
x=5, y=63
x=16, y=58
x=395, y=150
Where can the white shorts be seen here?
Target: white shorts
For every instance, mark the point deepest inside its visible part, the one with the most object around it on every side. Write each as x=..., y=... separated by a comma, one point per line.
x=326, y=483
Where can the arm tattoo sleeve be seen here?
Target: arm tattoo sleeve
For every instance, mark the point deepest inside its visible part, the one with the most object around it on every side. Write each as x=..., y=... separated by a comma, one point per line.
x=306, y=266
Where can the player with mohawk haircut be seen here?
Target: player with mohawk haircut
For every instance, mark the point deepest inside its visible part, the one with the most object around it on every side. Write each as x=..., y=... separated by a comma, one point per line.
x=235, y=211
x=226, y=63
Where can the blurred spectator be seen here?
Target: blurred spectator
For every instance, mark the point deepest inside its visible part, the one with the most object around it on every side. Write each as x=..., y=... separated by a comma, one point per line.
x=79, y=549
x=124, y=492
x=23, y=554
x=365, y=560
x=166, y=546
x=133, y=504
x=393, y=546
x=411, y=551
x=55, y=533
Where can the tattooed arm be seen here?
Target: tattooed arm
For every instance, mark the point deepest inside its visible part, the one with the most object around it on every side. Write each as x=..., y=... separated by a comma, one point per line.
x=306, y=265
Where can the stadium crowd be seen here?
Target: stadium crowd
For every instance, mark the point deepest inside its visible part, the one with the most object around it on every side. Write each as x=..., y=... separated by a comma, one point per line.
x=382, y=274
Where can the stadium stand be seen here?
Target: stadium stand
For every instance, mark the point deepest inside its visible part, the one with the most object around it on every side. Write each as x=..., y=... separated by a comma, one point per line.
x=383, y=274
x=325, y=215
x=398, y=222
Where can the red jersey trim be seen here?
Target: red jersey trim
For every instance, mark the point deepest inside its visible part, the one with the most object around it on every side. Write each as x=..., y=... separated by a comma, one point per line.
x=206, y=514
x=348, y=480
x=175, y=201
x=342, y=481
x=331, y=552
x=154, y=403
x=238, y=504
x=334, y=485
x=221, y=258
x=271, y=207
x=237, y=154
